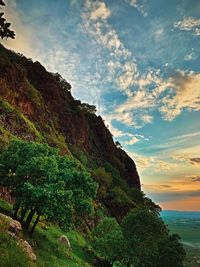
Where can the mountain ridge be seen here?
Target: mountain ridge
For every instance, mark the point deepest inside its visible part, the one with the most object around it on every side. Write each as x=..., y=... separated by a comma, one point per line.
x=37, y=105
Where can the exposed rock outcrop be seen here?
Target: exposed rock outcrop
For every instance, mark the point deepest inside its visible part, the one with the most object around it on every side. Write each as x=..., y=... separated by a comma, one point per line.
x=14, y=229
x=64, y=240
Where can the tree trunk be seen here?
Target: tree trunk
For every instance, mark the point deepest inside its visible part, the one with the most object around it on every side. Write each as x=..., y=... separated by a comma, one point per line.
x=34, y=225
x=29, y=219
x=128, y=264
x=16, y=209
x=23, y=214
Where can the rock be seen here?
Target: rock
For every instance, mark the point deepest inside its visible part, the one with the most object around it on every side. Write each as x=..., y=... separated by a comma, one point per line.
x=13, y=225
x=64, y=240
x=28, y=249
x=25, y=246
x=14, y=229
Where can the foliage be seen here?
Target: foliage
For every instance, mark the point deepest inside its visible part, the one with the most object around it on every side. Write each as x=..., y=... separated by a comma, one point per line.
x=102, y=176
x=142, y=240
x=17, y=123
x=118, y=144
x=171, y=252
x=104, y=179
x=148, y=240
x=5, y=32
x=88, y=108
x=62, y=82
x=108, y=240
x=120, y=197
x=45, y=183
x=45, y=244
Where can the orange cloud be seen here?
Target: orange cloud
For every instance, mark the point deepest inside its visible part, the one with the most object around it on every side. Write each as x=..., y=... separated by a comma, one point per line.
x=191, y=204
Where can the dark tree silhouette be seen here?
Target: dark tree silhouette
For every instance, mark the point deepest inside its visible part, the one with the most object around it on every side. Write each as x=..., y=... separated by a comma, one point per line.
x=5, y=32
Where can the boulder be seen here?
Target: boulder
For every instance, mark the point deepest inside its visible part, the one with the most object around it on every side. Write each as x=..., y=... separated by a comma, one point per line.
x=64, y=240
x=13, y=225
x=14, y=229
x=28, y=249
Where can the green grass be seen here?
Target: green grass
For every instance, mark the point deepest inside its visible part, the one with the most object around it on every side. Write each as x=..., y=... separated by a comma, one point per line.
x=5, y=207
x=20, y=123
x=11, y=254
x=49, y=251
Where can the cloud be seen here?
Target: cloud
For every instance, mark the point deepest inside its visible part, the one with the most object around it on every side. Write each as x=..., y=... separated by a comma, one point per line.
x=172, y=196
x=189, y=24
x=153, y=163
x=195, y=178
x=146, y=118
x=186, y=89
x=170, y=97
x=100, y=11
x=177, y=190
x=186, y=136
x=195, y=160
x=158, y=33
x=95, y=23
x=138, y=6
x=189, y=56
x=165, y=185
x=133, y=141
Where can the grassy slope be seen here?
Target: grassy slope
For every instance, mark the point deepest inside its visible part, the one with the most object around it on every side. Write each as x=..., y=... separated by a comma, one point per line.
x=45, y=244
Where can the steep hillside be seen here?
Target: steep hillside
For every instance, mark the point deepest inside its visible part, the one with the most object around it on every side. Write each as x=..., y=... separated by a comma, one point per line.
x=38, y=105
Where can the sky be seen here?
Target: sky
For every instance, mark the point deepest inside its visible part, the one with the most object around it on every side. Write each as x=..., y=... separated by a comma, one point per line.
x=138, y=62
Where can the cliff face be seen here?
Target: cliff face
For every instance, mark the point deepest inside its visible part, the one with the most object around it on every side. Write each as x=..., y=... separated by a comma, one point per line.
x=38, y=105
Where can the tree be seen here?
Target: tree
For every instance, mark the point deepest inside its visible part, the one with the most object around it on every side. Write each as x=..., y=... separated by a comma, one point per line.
x=108, y=241
x=45, y=183
x=5, y=32
x=62, y=82
x=171, y=252
x=88, y=108
x=118, y=144
x=148, y=242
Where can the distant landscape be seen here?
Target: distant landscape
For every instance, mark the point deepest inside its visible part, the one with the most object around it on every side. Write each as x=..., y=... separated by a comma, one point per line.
x=187, y=225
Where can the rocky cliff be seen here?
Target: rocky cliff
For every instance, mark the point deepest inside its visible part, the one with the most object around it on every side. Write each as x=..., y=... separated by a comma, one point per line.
x=38, y=105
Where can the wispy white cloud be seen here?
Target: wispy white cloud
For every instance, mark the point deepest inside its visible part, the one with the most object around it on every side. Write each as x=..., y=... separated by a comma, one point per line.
x=153, y=163
x=186, y=88
x=132, y=141
x=137, y=4
x=189, y=24
x=99, y=10
x=189, y=57
x=158, y=33
x=96, y=24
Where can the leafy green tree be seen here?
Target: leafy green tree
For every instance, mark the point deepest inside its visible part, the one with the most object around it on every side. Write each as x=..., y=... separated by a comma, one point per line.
x=142, y=231
x=45, y=183
x=5, y=32
x=171, y=252
x=148, y=242
x=62, y=82
x=88, y=108
x=151, y=206
x=108, y=241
